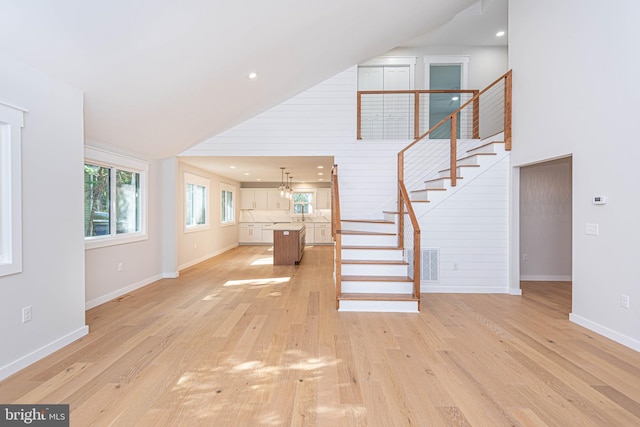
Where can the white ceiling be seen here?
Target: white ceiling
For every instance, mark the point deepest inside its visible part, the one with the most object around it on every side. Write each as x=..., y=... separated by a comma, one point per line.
x=160, y=76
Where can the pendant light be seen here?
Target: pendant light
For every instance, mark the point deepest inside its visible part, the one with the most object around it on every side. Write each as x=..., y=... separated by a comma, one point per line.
x=290, y=193
x=282, y=187
x=286, y=188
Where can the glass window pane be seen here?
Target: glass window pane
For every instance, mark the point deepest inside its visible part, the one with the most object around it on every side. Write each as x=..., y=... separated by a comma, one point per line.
x=97, y=221
x=189, y=204
x=127, y=202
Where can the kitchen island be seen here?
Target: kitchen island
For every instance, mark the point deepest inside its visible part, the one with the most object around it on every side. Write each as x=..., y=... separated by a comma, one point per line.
x=288, y=243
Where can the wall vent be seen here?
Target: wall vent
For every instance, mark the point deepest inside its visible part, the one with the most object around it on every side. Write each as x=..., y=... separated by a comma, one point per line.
x=430, y=264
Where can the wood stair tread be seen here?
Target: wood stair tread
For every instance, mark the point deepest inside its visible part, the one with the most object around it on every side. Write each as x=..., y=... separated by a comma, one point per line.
x=377, y=278
x=369, y=221
x=374, y=261
x=476, y=154
x=484, y=145
x=459, y=166
x=384, y=248
x=366, y=233
x=377, y=297
x=441, y=178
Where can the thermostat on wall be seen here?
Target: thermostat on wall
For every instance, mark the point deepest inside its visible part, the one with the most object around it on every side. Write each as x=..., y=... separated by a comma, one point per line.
x=599, y=200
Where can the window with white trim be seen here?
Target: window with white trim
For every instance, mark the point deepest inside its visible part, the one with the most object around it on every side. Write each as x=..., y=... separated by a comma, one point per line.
x=115, y=198
x=11, y=123
x=196, y=202
x=302, y=202
x=227, y=204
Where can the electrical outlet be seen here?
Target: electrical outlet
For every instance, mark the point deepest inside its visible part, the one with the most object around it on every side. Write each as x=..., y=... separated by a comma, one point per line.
x=119, y=266
x=456, y=266
x=624, y=301
x=525, y=257
x=26, y=314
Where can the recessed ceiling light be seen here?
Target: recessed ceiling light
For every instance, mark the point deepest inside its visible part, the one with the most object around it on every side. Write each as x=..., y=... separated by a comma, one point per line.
x=320, y=179
x=320, y=167
x=247, y=174
x=500, y=34
x=252, y=75
x=320, y=173
x=258, y=179
x=232, y=167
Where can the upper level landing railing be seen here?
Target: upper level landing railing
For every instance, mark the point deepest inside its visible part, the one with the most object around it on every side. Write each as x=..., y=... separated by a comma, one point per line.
x=407, y=114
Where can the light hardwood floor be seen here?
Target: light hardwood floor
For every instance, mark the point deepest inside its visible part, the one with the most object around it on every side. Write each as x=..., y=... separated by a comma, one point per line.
x=236, y=341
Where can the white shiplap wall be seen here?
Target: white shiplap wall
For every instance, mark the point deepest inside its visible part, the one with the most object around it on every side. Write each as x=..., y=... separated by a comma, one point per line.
x=470, y=227
x=320, y=122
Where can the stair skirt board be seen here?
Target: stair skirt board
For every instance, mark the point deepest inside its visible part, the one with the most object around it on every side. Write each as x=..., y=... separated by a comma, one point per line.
x=379, y=306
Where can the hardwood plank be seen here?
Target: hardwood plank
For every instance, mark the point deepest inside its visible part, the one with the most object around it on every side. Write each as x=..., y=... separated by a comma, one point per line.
x=237, y=341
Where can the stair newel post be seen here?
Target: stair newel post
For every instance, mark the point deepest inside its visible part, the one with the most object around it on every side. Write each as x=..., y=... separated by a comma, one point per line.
x=400, y=201
x=416, y=265
x=416, y=114
x=507, y=111
x=359, y=113
x=476, y=115
x=454, y=149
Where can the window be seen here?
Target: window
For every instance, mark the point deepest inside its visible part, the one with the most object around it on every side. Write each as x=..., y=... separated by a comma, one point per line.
x=11, y=123
x=196, y=202
x=227, y=204
x=302, y=203
x=114, y=198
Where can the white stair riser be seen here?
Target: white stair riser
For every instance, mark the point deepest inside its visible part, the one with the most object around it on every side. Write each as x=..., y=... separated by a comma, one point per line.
x=419, y=195
x=370, y=226
x=372, y=254
x=374, y=270
x=369, y=240
x=379, y=306
x=491, y=148
x=470, y=160
x=440, y=183
x=351, y=287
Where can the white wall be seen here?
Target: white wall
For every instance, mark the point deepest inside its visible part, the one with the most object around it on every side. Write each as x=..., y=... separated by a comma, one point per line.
x=320, y=122
x=486, y=63
x=141, y=261
x=194, y=247
x=576, y=92
x=52, y=280
x=545, y=220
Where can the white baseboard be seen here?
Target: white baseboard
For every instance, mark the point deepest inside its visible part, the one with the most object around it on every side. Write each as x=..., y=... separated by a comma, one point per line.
x=206, y=257
x=543, y=278
x=439, y=289
x=172, y=275
x=115, y=294
x=42, y=352
x=606, y=332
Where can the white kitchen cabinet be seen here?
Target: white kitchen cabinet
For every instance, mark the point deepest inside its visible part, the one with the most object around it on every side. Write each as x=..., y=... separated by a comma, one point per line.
x=267, y=233
x=274, y=201
x=310, y=234
x=250, y=233
x=253, y=198
x=322, y=234
x=323, y=198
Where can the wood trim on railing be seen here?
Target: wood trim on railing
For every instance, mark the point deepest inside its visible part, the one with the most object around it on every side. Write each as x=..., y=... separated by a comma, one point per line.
x=359, y=116
x=404, y=196
x=507, y=111
x=453, y=153
x=400, y=203
x=336, y=230
x=476, y=115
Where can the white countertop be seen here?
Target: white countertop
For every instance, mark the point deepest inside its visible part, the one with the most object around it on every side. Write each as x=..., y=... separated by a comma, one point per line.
x=288, y=226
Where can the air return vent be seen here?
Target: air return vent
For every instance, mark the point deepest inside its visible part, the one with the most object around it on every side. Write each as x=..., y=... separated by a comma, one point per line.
x=430, y=266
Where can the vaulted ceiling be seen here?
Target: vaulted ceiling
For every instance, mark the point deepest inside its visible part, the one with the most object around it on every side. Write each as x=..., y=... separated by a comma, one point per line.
x=160, y=76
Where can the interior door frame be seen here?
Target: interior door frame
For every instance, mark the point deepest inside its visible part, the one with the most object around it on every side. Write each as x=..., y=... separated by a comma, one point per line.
x=461, y=60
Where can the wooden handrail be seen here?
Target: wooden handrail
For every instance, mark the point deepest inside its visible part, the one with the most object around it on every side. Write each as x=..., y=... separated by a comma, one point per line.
x=476, y=100
x=405, y=200
x=336, y=231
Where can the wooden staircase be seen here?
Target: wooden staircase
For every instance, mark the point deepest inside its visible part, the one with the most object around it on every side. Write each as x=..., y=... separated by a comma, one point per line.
x=377, y=262
x=374, y=266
